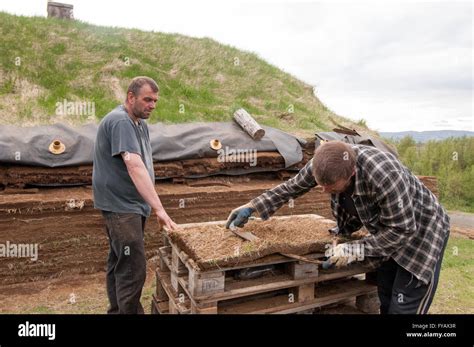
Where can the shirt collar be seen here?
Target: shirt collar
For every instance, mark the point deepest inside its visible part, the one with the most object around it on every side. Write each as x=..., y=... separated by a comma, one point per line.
x=358, y=184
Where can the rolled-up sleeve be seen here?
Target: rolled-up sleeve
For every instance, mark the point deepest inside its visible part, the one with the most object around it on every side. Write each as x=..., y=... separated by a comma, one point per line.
x=269, y=202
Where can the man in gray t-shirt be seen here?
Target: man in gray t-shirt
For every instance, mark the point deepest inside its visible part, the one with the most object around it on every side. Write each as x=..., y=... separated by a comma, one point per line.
x=114, y=190
x=123, y=185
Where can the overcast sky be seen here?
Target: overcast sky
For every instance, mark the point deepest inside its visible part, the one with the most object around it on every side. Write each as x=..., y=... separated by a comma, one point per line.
x=401, y=65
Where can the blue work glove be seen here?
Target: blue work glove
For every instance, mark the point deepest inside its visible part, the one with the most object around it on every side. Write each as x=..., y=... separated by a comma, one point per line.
x=240, y=216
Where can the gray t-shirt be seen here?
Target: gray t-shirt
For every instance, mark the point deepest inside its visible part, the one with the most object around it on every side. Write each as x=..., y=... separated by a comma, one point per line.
x=113, y=188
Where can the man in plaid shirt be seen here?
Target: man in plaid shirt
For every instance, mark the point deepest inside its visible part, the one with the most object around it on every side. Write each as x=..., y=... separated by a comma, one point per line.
x=371, y=188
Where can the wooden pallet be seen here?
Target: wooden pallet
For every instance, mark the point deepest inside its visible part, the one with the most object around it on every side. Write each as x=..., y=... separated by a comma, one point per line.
x=292, y=287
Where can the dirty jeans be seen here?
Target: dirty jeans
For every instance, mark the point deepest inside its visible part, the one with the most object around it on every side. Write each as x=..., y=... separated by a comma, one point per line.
x=126, y=263
x=400, y=292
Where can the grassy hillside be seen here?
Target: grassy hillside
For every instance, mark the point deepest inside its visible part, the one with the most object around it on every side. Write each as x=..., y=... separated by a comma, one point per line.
x=45, y=61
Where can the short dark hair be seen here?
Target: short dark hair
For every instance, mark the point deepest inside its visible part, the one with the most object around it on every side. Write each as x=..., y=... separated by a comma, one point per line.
x=138, y=82
x=333, y=161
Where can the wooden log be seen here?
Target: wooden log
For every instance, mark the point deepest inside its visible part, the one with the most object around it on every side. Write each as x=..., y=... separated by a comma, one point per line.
x=245, y=120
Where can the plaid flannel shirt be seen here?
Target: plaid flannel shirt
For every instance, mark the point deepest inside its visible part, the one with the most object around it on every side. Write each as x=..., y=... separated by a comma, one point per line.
x=405, y=220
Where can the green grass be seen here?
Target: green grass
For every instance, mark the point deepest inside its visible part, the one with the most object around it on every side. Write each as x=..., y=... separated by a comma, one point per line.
x=41, y=310
x=455, y=294
x=147, y=295
x=450, y=160
x=81, y=62
x=458, y=205
x=7, y=85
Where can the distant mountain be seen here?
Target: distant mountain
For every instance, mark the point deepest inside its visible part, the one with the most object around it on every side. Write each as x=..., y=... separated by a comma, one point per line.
x=423, y=136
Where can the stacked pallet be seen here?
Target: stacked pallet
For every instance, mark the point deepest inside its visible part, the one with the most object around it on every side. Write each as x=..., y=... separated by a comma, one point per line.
x=271, y=284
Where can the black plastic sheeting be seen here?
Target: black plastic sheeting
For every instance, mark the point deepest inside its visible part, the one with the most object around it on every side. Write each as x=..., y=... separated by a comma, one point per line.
x=30, y=145
x=361, y=139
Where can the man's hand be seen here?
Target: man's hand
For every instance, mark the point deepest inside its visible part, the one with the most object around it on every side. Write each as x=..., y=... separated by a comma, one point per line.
x=165, y=220
x=341, y=256
x=146, y=188
x=240, y=216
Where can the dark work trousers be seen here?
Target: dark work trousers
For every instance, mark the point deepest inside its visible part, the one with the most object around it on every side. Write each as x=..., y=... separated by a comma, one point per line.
x=400, y=292
x=126, y=263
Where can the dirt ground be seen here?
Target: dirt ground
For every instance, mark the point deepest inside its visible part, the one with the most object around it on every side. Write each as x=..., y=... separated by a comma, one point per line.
x=77, y=294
